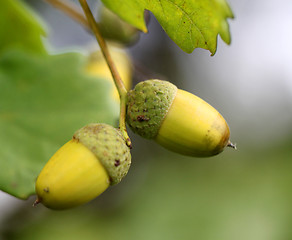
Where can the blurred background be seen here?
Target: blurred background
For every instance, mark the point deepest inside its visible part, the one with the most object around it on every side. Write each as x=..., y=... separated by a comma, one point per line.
x=243, y=194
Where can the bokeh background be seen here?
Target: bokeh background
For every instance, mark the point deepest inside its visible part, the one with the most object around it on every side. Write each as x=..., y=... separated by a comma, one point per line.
x=244, y=194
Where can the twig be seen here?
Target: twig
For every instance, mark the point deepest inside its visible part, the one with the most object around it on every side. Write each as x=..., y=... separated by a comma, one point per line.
x=117, y=79
x=71, y=9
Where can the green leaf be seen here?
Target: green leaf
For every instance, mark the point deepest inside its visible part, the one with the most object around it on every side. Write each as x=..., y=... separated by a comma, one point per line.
x=19, y=27
x=43, y=101
x=190, y=24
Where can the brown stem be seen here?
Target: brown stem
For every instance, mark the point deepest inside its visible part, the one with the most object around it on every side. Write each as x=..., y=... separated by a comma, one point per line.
x=71, y=9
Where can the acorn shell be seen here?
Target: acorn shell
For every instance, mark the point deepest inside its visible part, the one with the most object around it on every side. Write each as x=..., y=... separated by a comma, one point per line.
x=73, y=176
x=193, y=127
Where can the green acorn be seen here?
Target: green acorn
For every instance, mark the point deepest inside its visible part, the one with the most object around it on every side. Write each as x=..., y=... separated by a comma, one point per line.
x=84, y=167
x=113, y=28
x=176, y=119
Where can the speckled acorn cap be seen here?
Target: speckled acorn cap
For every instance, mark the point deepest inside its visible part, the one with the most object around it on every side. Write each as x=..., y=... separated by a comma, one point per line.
x=107, y=143
x=147, y=106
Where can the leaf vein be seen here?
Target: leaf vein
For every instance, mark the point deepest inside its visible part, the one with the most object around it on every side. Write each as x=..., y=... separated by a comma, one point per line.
x=190, y=19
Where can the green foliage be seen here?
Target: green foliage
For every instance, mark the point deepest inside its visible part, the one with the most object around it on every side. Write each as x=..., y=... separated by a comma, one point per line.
x=18, y=28
x=190, y=24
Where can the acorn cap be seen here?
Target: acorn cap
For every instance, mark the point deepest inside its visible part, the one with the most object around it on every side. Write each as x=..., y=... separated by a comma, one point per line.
x=108, y=145
x=147, y=106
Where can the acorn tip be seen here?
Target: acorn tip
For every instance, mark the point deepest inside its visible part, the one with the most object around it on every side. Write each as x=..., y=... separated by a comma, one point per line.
x=230, y=144
x=36, y=202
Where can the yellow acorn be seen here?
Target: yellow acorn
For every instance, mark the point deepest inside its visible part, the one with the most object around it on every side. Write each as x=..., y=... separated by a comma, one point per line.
x=176, y=119
x=98, y=67
x=95, y=158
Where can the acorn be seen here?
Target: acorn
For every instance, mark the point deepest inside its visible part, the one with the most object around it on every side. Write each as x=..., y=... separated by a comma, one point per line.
x=96, y=66
x=176, y=119
x=95, y=158
x=113, y=28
